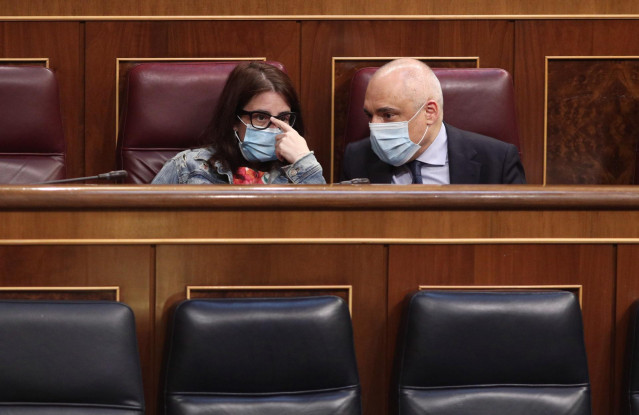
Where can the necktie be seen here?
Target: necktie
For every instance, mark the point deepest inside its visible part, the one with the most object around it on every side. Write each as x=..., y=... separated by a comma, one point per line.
x=416, y=170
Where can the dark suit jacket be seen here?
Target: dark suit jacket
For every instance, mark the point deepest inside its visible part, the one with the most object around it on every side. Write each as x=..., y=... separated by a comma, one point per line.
x=472, y=159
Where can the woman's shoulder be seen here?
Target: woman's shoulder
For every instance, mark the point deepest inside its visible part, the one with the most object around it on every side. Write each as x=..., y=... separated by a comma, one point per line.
x=191, y=166
x=195, y=154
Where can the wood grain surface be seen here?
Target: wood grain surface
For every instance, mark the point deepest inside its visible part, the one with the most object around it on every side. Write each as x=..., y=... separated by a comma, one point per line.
x=592, y=128
x=292, y=8
x=535, y=40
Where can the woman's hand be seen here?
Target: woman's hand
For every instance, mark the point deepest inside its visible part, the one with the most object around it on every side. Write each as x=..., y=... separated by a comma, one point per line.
x=289, y=145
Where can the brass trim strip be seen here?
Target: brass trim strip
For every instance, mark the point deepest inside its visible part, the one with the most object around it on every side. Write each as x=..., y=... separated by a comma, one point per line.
x=617, y=16
x=348, y=288
x=319, y=241
x=43, y=60
x=374, y=58
x=103, y=288
x=567, y=287
x=198, y=59
x=547, y=59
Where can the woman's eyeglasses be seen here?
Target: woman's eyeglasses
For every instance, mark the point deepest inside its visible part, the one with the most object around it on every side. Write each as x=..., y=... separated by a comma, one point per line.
x=261, y=120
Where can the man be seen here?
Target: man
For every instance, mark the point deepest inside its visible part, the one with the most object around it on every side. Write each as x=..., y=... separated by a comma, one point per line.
x=410, y=143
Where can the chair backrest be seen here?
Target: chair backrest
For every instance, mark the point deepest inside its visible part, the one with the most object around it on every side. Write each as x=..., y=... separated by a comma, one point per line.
x=480, y=100
x=264, y=356
x=32, y=147
x=166, y=108
x=632, y=395
x=518, y=353
x=70, y=357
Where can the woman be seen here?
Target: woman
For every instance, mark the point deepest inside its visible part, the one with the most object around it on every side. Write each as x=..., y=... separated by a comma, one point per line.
x=255, y=136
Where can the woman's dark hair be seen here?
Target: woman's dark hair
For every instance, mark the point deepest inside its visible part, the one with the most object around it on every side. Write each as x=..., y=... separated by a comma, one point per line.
x=247, y=80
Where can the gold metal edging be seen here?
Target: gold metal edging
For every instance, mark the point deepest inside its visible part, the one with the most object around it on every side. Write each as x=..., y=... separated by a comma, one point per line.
x=318, y=241
x=565, y=57
x=193, y=59
x=323, y=17
x=75, y=288
x=44, y=60
x=567, y=287
x=373, y=58
x=348, y=288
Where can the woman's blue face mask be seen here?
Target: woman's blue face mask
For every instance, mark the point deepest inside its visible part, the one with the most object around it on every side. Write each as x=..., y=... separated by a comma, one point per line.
x=258, y=145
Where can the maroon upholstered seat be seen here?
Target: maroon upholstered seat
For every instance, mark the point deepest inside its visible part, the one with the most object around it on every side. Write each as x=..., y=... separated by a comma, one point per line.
x=480, y=100
x=32, y=148
x=166, y=109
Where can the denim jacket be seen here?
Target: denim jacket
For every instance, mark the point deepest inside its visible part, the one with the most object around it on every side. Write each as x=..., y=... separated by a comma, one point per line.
x=193, y=167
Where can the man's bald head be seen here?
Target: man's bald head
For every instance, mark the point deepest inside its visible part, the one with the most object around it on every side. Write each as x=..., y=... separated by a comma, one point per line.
x=418, y=81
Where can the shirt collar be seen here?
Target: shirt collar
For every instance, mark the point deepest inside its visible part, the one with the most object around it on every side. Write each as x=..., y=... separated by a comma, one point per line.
x=437, y=152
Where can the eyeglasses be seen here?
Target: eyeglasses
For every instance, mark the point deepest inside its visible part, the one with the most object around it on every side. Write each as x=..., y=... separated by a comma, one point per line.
x=261, y=120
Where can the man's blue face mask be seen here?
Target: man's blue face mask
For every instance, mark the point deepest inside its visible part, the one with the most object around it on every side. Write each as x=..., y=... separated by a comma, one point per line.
x=391, y=141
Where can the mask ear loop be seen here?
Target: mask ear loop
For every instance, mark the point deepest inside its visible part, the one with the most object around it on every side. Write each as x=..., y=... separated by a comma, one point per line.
x=415, y=115
x=422, y=139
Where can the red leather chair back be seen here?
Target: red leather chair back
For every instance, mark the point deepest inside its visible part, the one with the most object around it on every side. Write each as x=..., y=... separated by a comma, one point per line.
x=32, y=148
x=167, y=107
x=480, y=100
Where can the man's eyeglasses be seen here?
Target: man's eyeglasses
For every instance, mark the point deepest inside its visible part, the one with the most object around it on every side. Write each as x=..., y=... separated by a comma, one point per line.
x=261, y=120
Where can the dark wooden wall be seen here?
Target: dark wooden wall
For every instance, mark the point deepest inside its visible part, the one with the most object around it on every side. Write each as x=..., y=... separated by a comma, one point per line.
x=589, y=70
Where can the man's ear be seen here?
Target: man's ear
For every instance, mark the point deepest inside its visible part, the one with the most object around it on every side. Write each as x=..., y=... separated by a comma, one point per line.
x=432, y=111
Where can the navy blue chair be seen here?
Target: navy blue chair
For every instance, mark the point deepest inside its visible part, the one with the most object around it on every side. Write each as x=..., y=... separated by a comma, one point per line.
x=516, y=353
x=71, y=358
x=262, y=356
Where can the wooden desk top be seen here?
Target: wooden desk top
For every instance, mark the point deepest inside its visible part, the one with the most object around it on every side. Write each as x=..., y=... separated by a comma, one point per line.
x=334, y=197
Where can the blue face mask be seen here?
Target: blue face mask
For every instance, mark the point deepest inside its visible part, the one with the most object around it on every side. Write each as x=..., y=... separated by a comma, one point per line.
x=391, y=141
x=258, y=145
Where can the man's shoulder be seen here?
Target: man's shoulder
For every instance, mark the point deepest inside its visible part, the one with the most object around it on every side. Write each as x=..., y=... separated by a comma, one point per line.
x=477, y=141
x=359, y=146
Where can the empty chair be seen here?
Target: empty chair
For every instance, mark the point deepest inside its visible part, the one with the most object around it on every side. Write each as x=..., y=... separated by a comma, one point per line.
x=262, y=356
x=166, y=108
x=480, y=100
x=32, y=147
x=516, y=353
x=61, y=358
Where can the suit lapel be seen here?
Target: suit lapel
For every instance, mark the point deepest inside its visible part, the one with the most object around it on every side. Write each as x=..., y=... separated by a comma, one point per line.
x=379, y=172
x=463, y=169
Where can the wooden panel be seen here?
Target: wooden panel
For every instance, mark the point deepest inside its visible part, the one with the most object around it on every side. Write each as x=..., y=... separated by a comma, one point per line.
x=591, y=266
x=321, y=41
x=292, y=7
x=537, y=39
x=627, y=294
x=363, y=267
x=59, y=293
x=62, y=43
x=129, y=267
x=344, y=70
x=579, y=148
x=107, y=41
